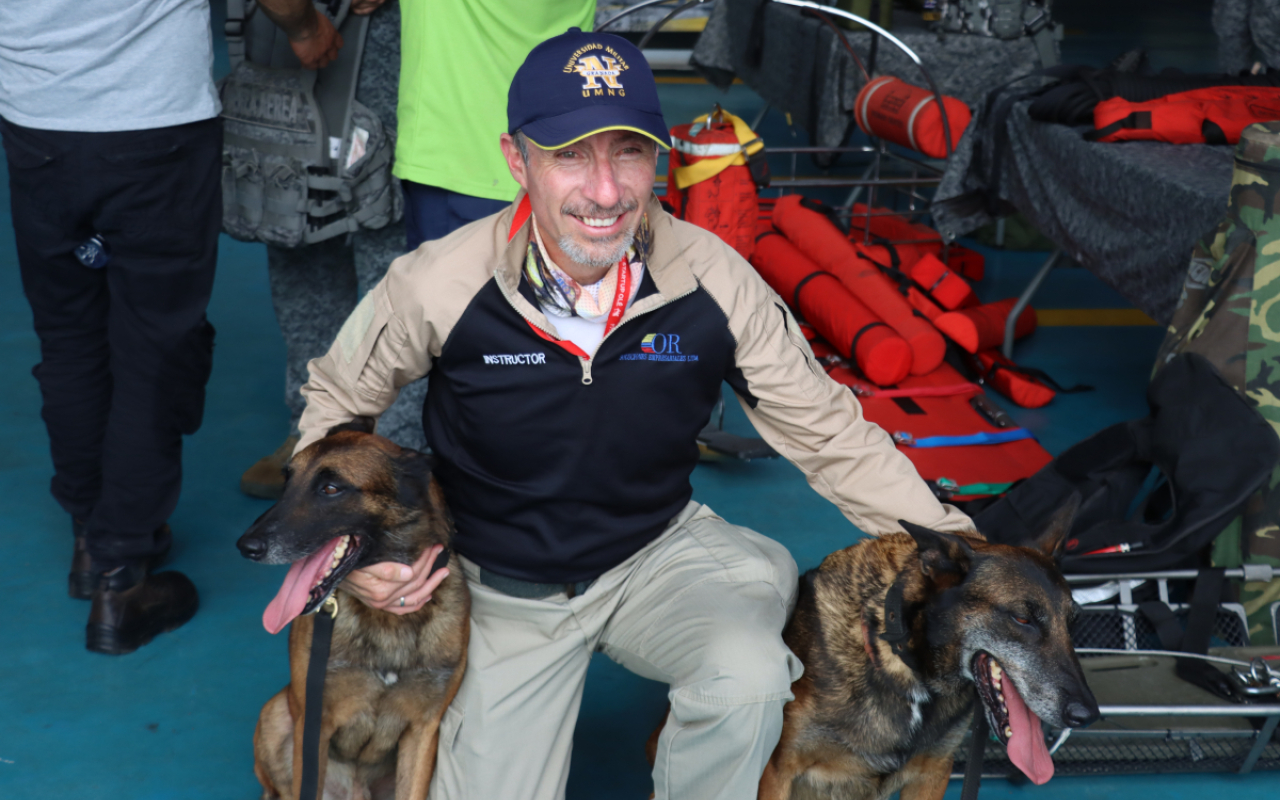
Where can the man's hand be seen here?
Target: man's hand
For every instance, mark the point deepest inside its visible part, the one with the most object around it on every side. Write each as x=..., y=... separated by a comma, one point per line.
x=383, y=585
x=311, y=35
x=317, y=44
x=365, y=6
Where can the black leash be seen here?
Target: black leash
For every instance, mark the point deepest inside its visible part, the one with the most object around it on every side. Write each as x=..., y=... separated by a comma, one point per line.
x=973, y=762
x=317, y=666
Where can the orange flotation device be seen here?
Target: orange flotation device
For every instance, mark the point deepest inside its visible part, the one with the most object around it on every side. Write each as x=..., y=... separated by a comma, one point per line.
x=965, y=262
x=946, y=288
x=909, y=241
x=908, y=115
x=877, y=256
x=1213, y=115
x=826, y=246
x=820, y=298
x=982, y=327
x=713, y=170
x=1002, y=375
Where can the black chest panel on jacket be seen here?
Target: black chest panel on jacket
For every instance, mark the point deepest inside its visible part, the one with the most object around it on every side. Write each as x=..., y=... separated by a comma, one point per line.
x=554, y=479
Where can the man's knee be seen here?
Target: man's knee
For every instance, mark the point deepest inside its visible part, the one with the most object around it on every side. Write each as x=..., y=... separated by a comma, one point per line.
x=744, y=660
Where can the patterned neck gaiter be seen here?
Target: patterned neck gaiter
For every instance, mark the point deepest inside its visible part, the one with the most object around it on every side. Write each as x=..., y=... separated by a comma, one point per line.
x=562, y=296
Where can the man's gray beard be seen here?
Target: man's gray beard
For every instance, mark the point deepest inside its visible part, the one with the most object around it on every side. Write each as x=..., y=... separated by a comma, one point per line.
x=579, y=254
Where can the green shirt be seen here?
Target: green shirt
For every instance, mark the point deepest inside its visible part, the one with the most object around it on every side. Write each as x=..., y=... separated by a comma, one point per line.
x=457, y=61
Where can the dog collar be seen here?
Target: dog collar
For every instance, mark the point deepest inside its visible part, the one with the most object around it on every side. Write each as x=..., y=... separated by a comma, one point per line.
x=896, y=631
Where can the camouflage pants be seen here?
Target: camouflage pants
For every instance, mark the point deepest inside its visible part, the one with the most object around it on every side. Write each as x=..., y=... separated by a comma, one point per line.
x=313, y=290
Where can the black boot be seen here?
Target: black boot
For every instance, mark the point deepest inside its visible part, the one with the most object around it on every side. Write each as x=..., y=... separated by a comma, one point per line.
x=131, y=606
x=82, y=579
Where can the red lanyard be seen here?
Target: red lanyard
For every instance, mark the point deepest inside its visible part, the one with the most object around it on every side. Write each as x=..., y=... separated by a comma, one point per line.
x=621, y=295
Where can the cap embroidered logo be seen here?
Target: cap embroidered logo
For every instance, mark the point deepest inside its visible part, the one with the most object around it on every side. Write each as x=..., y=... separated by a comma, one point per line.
x=592, y=68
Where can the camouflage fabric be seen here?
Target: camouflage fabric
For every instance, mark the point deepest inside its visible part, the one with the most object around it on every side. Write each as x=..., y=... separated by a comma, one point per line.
x=1230, y=313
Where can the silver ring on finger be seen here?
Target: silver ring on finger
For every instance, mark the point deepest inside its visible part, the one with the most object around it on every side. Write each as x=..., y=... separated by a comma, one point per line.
x=402, y=602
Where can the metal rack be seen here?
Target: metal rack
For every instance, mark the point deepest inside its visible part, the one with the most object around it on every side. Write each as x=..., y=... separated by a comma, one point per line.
x=888, y=175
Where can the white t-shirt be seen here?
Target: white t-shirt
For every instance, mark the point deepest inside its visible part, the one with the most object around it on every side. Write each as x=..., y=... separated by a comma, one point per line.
x=585, y=333
x=106, y=65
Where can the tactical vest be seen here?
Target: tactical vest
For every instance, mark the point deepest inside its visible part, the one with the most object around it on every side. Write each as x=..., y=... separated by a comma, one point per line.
x=1004, y=19
x=302, y=160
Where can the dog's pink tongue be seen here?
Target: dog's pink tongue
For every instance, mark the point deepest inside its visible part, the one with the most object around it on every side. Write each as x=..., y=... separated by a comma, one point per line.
x=1026, y=745
x=292, y=597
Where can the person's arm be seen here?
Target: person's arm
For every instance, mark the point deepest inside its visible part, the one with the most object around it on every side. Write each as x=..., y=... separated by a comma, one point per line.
x=311, y=35
x=365, y=6
x=816, y=423
x=385, y=344
x=389, y=341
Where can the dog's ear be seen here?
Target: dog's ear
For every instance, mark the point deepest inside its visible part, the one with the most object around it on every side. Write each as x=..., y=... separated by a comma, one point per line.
x=1053, y=539
x=415, y=477
x=359, y=425
x=939, y=552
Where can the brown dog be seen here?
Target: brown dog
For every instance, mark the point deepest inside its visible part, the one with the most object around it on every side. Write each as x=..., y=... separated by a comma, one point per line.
x=899, y=635
x=353, y=499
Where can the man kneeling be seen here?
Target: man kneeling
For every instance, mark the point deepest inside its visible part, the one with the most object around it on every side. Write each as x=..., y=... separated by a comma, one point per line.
x=577, y=342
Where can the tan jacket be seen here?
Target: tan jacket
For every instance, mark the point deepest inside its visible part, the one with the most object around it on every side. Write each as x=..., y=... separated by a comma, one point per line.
x=402, y=326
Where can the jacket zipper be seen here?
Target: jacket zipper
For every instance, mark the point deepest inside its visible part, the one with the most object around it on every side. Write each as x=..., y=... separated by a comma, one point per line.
x=587, y=380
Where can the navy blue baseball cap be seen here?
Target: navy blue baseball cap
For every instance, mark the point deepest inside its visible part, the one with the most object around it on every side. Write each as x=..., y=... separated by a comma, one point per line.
x=577, y=84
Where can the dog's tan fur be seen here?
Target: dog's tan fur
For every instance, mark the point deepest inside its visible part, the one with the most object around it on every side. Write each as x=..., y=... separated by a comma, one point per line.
x=864, y=724
x=390, y=678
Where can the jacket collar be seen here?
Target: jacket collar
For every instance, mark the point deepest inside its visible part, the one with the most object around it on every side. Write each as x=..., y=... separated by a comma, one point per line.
x=668, y=265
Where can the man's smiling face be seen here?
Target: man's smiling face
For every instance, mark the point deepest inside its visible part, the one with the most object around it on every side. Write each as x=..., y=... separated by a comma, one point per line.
x=587, y=197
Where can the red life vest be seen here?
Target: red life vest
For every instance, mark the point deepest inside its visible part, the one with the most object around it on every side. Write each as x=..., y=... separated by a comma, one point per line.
x=1216, y=115
x=713, y=169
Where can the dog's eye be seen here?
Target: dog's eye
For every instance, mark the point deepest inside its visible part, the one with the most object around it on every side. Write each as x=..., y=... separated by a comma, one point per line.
x=1021, y=620
x=330, y=490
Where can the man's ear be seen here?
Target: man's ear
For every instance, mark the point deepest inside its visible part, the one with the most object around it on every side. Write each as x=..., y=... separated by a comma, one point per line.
x=359, y=425
x=1053, y=538
x=414, y=477
x=515, y=162
x=940, y=552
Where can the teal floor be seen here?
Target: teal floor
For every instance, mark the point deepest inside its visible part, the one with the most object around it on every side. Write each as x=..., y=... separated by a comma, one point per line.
x=175, y=720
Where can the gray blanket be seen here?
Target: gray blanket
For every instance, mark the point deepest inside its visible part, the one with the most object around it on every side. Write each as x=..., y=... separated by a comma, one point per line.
x=1129, y=212
x=799, y=65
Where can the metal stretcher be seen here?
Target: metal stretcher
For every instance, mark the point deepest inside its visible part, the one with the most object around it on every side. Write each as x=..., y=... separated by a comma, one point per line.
x=1152, y=720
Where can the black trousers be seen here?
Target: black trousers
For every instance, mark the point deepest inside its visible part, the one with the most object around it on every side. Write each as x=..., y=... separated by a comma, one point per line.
x=125, y=350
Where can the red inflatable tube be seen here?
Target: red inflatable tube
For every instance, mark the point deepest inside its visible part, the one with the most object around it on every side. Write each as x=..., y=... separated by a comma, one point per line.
x=837, y=315
x=878, y=256
x=908, y=115
x=946, y=288
x=1024, y=390
x=982, y=327
x=968, y=263
x=826, y=246
x=911, y=240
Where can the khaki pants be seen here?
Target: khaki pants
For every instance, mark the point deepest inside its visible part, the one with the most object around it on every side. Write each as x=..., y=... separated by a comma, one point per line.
x=700, y=608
